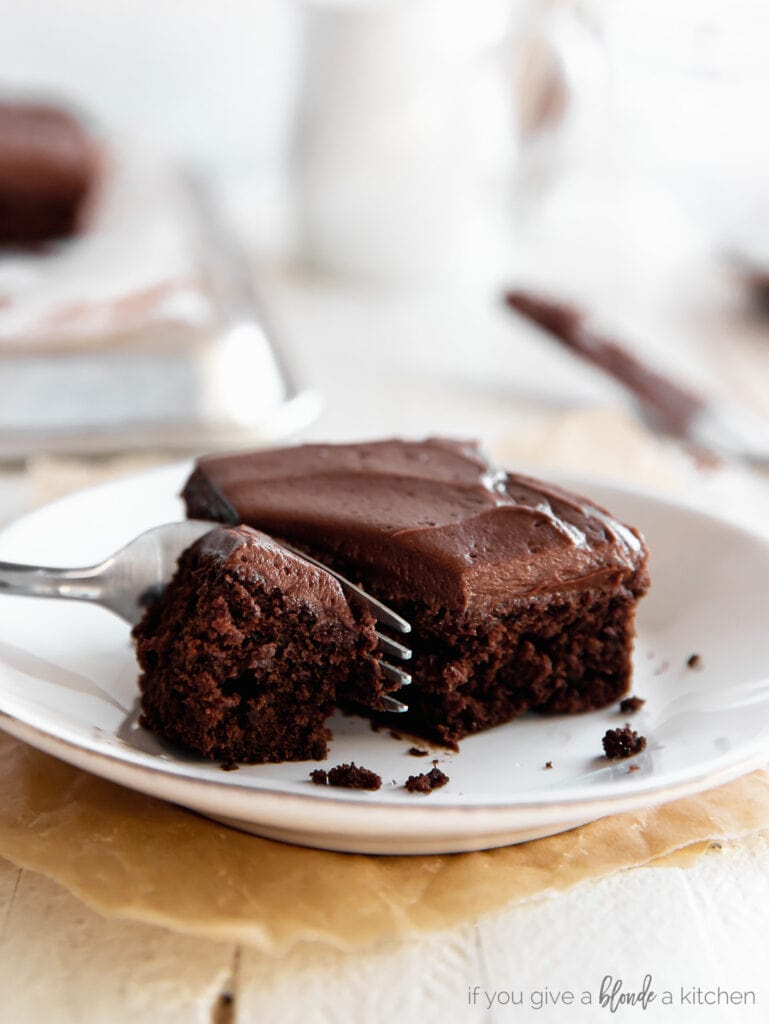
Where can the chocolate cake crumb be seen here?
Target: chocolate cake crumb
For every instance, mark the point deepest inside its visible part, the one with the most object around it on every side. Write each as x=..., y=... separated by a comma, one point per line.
x=620, y=743
x=319, y=777
x=548, y=764
x=351, y=776
x=418, y=783
x=436, y=762
x=395, y=735
x=634, y=768
x=230, y=766
x=427, y=781
x=693, y=661
x=631, y=704
x=417, y=752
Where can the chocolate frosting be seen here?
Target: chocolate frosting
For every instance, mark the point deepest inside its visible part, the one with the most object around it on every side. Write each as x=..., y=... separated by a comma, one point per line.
x=432, y=521
x=247, y=552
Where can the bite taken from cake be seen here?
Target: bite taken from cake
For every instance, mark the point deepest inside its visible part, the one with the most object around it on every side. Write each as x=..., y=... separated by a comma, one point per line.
x=248, y=650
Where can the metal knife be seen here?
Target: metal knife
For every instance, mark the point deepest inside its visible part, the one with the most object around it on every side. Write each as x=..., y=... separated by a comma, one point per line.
x=668, y=406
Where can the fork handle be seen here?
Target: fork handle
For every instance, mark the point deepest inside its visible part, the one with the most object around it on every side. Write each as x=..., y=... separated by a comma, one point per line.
x=40, y=581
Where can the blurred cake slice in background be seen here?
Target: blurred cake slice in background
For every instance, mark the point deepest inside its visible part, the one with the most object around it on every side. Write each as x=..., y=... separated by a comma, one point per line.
x=48, y=168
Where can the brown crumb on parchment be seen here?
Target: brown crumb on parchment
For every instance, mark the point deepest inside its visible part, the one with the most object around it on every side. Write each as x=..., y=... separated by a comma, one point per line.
x=694, y=661
x=417, y=752
x=548, y=764
x=230, y=766
x=621, y=743
x=427, y=781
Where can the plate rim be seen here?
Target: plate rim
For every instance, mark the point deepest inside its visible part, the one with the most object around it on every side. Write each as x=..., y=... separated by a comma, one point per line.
x=379, y=819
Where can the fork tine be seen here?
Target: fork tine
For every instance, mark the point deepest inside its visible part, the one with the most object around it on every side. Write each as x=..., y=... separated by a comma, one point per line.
x=391, y=704
x=397, y=675
x=392, y=647
x=380, y=611
x=382, y=614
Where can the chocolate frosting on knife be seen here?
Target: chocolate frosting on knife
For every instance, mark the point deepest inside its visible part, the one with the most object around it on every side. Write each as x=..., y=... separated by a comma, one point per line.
x=431, y=521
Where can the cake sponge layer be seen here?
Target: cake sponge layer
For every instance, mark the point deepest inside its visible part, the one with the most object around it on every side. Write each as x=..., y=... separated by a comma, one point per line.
x=248, y=650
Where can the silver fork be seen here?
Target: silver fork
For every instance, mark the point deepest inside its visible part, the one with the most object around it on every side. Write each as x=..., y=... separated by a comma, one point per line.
x=127, y=580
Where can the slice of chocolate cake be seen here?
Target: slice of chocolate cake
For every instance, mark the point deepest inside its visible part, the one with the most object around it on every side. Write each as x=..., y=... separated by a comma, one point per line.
x=521, y=595
x=47, y=167
x=249, y=648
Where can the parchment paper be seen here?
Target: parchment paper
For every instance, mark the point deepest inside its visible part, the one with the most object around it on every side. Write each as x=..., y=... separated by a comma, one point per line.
x=134, y=857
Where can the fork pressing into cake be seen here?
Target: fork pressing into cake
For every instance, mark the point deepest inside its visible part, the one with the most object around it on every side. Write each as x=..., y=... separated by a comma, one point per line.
x=126, y=582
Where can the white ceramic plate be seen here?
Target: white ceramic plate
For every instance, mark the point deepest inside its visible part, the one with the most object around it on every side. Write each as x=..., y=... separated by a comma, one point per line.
x=68, y=687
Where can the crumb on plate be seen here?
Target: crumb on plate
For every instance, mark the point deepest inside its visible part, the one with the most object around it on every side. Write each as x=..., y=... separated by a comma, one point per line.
x=427, y=781
x=621, y=743
x=629, y=705
x=349, y=776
